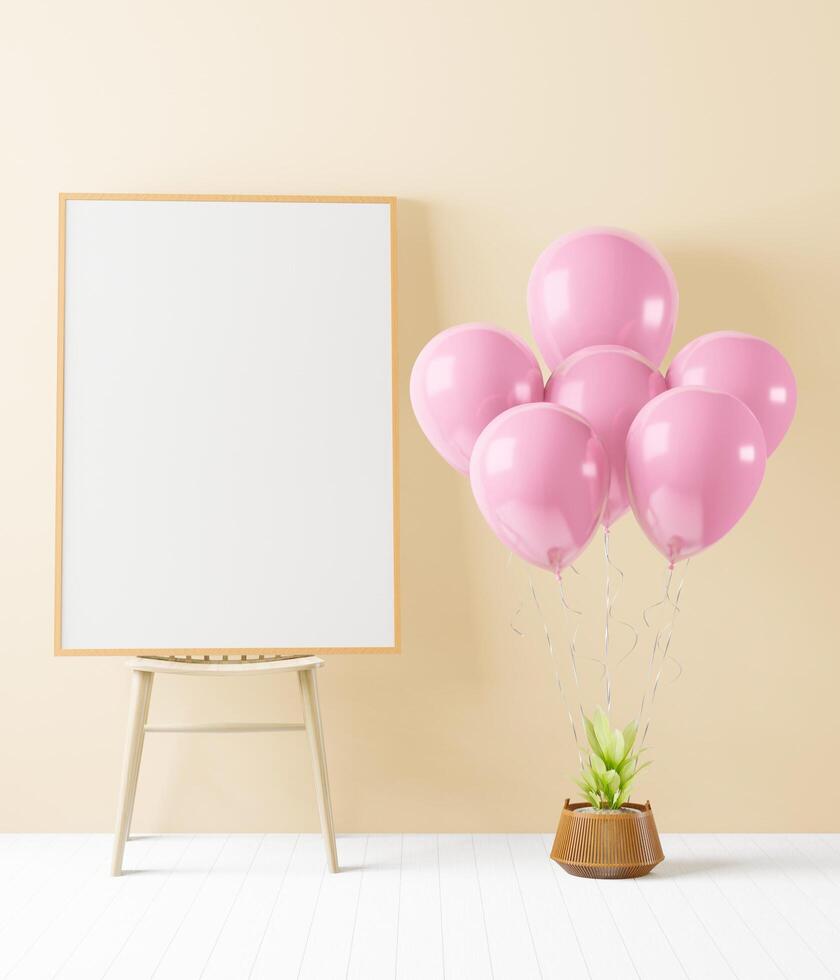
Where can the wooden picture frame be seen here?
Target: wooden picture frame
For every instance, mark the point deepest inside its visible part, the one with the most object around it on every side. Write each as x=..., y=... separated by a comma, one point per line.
x=223, y=652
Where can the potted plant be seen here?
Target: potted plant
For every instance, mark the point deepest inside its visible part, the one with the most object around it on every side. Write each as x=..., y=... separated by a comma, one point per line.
x=607, y=836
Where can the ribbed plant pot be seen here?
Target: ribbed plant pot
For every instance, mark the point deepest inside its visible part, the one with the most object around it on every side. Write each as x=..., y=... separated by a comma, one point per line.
x=607, y=843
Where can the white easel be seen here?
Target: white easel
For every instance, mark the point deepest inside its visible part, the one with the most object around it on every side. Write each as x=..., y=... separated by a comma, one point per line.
x=143, y=670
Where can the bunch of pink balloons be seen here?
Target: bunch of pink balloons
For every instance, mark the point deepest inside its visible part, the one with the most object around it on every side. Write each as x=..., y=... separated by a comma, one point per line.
x=550, y=462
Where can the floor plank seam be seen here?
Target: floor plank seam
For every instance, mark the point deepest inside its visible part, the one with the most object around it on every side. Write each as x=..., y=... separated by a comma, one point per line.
x=149, y=904
x=481, y=902
x=274, y=906
x=232, y=906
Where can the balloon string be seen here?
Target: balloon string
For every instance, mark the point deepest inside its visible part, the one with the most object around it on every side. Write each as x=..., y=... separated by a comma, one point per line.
x=572, y=634
x=608, y=601
x=518, y=611
x=666, y=630
x=553, y=654
x=611, y=594
x=611, y=599
x=567, y=609
x=669, y=574
x=556, y=667
x=675, y=609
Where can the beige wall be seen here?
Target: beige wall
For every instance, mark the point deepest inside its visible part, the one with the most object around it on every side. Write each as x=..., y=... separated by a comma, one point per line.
x=710, y=128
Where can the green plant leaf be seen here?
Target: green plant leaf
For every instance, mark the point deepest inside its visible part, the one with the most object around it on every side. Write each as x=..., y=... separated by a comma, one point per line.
x=590, y=735
x=629, y=735
x=613, y=765
x=601, y=725
x=589, y=794
x=588, y=780
x=628, y=767
x=617, y=748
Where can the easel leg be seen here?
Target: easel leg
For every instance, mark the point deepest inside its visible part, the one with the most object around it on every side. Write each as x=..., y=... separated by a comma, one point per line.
x=141, y=692
x=312, y=719
x=149, y=678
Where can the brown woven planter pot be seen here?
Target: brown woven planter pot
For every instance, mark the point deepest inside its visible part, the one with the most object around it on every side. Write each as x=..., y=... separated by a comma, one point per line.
x=607, y=844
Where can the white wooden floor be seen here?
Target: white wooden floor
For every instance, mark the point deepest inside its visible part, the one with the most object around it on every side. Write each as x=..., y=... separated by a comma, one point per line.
x=415, y=906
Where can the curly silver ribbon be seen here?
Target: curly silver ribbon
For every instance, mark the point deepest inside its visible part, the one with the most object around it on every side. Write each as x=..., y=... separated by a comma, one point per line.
x=518, y=611
x=608, y=602
x=567, y=610
x=574, y=656
x=610, y=597
x=669, y=574
x=666, y=630
x=556, y=667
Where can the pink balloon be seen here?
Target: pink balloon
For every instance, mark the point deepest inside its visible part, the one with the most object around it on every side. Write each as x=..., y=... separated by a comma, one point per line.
x=601, y=286
x=695, y=460
x=748, y=368
x=540, y=477
x=465, y=377
x=607, y=386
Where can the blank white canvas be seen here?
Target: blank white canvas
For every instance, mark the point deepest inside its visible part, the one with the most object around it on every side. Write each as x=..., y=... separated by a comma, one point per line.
x=228, y=457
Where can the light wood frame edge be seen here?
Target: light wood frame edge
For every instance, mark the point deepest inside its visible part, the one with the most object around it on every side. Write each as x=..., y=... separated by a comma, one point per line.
x=63, y=198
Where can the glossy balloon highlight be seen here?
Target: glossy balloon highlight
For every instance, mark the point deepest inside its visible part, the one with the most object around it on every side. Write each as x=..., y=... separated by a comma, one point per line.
x=602, y=286
x=463, y=378
x=695, y=461
x=540, y=477
x=607, y=386
x=744, y=366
